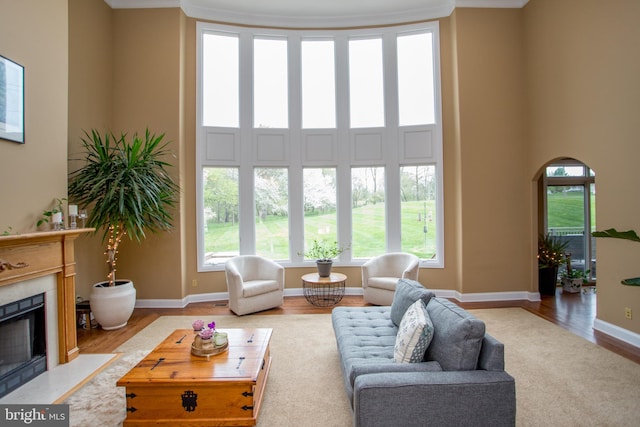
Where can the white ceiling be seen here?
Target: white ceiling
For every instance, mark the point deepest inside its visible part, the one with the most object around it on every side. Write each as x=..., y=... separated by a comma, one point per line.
x=315, y=13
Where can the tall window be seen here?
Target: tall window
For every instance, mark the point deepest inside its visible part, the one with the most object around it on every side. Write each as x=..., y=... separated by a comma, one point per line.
x=368, y=211
x=272, y=212
x=270, y=79
x=323, y=134
x=220, y=80
x=366, y=83
x=419, y=213
x=320, y=213
x=318, y=84
x=416, y=97
x=220, y=226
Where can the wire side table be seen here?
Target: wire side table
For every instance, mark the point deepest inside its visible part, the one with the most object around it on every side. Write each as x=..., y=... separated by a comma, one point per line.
x=323, y=291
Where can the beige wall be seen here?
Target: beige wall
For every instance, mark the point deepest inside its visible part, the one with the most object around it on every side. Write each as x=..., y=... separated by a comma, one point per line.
x=583, y=66
x=147, y=92
x=490, y=184
x=35, y=173
x=90, y=107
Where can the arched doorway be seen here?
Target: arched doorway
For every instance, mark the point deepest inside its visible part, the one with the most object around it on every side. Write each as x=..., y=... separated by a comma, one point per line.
x=566, y=210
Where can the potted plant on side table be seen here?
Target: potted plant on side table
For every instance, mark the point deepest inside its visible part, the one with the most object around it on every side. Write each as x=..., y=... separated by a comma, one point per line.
x=324, y=252
x=550, y=257
x=127, y=189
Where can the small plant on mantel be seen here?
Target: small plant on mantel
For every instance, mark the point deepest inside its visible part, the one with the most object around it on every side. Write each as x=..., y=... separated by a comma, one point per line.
x=48, y=215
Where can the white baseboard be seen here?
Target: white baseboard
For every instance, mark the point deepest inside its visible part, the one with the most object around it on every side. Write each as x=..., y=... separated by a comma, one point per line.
x=494, y=296
x=297, y=292
x=617, y=332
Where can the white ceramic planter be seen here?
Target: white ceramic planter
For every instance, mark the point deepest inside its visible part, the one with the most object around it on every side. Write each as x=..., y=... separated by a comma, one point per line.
x=572, y=285
x=112, y=306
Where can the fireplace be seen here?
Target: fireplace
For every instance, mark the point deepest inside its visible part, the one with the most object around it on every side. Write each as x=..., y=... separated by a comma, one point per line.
x=23, y=342
x=37, y=274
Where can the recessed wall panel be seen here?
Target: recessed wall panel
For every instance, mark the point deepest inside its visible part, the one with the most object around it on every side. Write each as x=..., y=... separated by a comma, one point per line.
x=271, y=148
x=221, y=146
x=319, y=148
x=367, y=147
x=416, y=145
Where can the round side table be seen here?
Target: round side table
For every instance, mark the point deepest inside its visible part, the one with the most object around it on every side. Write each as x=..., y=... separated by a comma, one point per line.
x=323, y=291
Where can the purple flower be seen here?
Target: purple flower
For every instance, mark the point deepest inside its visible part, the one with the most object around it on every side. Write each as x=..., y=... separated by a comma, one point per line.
x=212, y=325
x=198, y=325
x=206, y=334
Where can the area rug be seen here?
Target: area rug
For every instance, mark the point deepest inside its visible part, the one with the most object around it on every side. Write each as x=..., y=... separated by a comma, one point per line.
x=561, y=379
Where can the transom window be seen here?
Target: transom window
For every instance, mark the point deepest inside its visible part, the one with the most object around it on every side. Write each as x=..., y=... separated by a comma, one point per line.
x=318, y=135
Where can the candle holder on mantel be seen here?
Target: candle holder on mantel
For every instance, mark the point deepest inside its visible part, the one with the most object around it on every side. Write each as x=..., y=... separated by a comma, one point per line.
x=56, y=220
x=73, y=214
x=82, y=215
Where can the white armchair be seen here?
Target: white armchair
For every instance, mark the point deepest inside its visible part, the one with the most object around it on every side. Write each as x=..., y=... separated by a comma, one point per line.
x=254, y=284
x=381, y=274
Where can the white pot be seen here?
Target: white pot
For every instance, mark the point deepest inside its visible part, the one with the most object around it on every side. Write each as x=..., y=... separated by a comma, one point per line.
x=571, y=285
x=112, y=306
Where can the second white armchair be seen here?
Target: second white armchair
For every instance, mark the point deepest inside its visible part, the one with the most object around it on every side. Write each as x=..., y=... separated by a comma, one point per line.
x=381, y=274
x=254, y=284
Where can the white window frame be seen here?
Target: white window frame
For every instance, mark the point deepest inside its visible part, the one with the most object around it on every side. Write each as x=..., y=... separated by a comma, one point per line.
x=341, y=148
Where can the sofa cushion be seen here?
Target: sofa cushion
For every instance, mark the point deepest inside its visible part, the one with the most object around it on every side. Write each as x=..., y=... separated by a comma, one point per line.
x=407, y=292
x=414, y=334
x=457, y=337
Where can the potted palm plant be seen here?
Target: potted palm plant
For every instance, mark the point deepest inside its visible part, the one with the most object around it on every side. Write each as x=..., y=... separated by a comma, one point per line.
x=551, y=255
x=324, y=252
x=126, y=187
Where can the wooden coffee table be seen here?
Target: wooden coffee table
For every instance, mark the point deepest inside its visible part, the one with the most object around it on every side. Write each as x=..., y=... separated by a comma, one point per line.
x=172, y=387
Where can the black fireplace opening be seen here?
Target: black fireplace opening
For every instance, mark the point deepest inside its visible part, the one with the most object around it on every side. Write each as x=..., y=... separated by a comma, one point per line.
x=23, y=342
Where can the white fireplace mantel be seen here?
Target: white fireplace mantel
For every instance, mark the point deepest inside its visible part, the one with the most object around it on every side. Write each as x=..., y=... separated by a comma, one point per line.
x=29, y=256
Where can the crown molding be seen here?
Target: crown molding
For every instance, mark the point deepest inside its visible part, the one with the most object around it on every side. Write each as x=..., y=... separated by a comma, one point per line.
x=431, y=10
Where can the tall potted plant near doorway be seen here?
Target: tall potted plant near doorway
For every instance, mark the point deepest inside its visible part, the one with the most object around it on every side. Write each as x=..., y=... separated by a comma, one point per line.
x=551, y=255
x=126, y=187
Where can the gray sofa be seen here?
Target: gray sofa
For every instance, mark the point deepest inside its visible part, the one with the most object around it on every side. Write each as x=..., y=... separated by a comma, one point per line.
x=461, y=380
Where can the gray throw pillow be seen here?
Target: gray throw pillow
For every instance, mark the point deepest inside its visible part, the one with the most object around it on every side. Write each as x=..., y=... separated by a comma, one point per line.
x=407, y=292
x=458, y=336
x=414, y=334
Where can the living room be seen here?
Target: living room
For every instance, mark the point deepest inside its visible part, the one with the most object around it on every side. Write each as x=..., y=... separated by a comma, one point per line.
x=521, y=87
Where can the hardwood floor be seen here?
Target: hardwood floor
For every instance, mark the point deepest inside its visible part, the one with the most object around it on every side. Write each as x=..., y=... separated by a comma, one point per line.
x=574, y=312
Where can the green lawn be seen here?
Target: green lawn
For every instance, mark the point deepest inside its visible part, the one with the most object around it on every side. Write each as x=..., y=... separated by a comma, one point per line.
x=368, y=232
x=564, y=210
